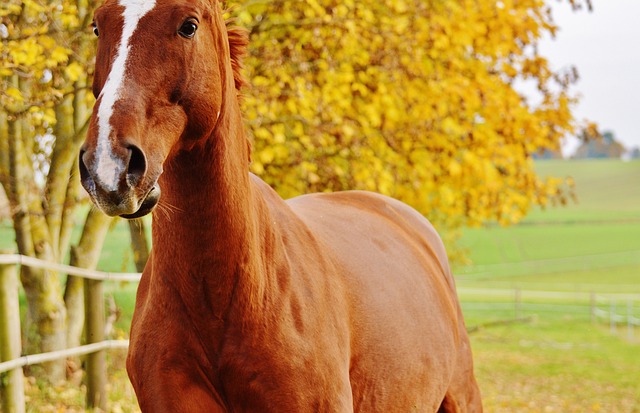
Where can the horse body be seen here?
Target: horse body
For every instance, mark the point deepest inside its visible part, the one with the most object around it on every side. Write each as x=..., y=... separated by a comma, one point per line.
x=330, y=310
x=324, y=303
x=399, y=294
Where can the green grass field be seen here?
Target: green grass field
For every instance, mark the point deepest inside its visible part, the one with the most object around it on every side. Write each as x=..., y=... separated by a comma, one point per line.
x=595, y=241
x=557, y=360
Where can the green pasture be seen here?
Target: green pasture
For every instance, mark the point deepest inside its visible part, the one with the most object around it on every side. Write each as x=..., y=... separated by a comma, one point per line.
x=556, y=364
x=592, y=243
x=606, y=189
x=558, y=359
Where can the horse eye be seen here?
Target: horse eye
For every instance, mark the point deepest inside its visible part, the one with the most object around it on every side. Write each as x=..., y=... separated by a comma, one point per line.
x=95, y=30
x=188, y=29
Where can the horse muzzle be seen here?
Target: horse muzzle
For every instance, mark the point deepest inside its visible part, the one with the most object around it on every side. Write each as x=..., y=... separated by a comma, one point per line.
x=119, y=186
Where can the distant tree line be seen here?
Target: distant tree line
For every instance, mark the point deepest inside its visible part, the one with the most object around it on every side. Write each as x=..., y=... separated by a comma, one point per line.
x=594, y=145
x=603, y=145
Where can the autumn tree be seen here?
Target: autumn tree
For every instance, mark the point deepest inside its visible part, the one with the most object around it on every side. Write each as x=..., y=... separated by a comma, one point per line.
x=46, y=50
x=414, y=99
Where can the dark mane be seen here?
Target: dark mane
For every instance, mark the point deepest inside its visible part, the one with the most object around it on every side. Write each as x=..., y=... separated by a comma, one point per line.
x=238, y=42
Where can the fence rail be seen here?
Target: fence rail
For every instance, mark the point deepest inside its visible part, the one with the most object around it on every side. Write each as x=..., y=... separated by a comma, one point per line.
x=614, y=309
x=17, y=259
x=11, y=361
x=60, y=354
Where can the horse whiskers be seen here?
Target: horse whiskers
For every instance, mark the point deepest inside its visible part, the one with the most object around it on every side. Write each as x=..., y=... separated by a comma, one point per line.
x=171, y=207
x=161, y=209
x=168, y=209
x=94, y=208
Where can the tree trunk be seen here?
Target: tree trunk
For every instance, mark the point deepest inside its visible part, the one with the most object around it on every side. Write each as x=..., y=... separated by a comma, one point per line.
x=58, y=177
x=139, y=243
x=81, y=116
x=43, y=218
x=47, y=313
x=68, y=221
x=4, y=151
x=83, y=255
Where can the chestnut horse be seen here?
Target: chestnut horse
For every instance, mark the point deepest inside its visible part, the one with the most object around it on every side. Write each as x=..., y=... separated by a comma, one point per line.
x=337, y=302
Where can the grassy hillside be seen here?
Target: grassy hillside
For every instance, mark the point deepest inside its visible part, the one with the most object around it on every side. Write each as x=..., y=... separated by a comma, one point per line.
x=594, y=241
x=606, y=190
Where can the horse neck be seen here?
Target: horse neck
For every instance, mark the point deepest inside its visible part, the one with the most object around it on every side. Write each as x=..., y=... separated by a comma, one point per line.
x=205, y=233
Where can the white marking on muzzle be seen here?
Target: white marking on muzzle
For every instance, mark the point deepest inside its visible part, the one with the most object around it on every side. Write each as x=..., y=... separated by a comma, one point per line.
x=110, y=167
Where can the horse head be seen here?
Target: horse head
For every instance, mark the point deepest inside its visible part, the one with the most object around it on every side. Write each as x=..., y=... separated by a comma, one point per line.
x=160, y=80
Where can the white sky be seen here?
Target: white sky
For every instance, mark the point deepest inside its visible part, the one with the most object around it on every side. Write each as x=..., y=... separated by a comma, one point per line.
x=604, y=45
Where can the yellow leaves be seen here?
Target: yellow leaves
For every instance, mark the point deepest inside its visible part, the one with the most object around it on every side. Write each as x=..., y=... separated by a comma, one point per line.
x=48, y=116
x=266, y=155
x=29, y=44
x=452, y=127
x=405, y=99
x=454, y=168
x=15, y=94
x=8, y=9
x=36, y=42
x=341, y=11
x=399, y=6
x=73, y=71
x=278, y=131
x=58, y=55
x=33, y=6
x=27, y=53
x=262, y=133
x=509, y=70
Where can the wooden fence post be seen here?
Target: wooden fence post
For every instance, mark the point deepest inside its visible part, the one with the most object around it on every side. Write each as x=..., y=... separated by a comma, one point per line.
x=612, y=318
x=94, y=328
x=630, y=319
x=11, y=382
x=518, y=302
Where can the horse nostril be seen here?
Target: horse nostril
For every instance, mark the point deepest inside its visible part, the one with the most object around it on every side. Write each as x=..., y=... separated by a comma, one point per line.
x=85, y=177
x=137, y=165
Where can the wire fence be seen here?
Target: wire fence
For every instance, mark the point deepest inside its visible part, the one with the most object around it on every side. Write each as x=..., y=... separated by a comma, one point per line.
x=620, y=311
x=11, y=360
x=588, y=262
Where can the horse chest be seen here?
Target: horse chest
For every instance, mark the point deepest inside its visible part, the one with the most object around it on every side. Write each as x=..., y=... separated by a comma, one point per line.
x=279, y=377
x=287, y=361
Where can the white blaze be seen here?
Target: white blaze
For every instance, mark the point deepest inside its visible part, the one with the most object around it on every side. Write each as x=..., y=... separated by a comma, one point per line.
x=109, y=167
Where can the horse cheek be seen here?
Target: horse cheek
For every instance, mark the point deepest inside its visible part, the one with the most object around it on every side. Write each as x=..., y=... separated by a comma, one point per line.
x=166, y=134
x=202, y=117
